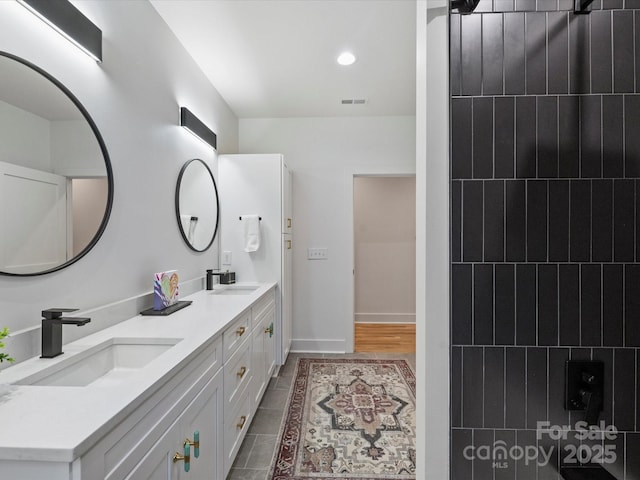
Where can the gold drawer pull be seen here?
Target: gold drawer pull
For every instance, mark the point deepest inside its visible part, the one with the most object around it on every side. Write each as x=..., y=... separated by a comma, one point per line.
x=243, y=420
x=241, y=331
x=240, y=373
x=288, y=223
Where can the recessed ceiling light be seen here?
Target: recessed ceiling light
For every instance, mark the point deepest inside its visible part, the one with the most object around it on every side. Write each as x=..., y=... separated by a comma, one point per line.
x=346, y=58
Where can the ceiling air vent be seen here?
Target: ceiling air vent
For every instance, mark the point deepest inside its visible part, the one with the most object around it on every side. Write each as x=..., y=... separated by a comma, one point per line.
x=353, y=101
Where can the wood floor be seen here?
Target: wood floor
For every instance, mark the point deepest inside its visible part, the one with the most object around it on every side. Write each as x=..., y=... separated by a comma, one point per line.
x=385, y=337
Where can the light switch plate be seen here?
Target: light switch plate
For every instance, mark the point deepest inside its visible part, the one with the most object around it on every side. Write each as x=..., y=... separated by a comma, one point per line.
x=226, y=258
x=317, y=253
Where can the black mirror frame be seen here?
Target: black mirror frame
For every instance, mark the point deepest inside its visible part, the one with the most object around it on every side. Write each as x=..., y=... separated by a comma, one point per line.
x=177, y=205
x=107, y=161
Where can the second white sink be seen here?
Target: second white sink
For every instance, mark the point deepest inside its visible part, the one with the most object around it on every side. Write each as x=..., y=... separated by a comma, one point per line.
x=107, y=363
x=234, y=289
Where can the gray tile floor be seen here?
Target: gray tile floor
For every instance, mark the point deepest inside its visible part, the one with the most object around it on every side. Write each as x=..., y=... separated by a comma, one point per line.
x=253, y=461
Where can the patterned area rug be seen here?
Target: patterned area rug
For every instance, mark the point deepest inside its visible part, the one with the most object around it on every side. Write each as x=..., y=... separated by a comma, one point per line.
x=351, y=419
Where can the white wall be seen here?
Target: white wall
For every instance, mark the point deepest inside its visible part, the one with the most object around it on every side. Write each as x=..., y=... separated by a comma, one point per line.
x=134, y=97
x=26, y=138
x=385, y=249
x=324, y=154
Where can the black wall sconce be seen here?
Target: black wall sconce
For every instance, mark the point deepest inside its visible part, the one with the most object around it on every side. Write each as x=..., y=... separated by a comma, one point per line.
x=192, y=123
x=67, y=20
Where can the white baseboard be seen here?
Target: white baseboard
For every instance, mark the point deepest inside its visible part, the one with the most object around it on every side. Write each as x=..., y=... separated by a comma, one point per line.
x=300, y=345
x=385, y=317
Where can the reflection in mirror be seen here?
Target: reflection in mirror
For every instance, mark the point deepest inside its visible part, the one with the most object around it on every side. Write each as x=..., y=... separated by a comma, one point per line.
x=197, y=205
x=56, y=185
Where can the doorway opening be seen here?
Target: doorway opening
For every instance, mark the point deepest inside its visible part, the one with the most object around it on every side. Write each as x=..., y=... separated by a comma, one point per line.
x=384, y=215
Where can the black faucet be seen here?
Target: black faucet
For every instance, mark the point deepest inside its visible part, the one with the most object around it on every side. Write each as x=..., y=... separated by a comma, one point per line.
x=52, y=321
x=225, y=278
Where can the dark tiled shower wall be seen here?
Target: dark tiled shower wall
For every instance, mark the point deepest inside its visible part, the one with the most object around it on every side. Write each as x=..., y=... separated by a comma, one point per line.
x=545, y=205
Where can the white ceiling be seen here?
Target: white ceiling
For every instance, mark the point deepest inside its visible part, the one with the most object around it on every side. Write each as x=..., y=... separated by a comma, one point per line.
x=277, y=58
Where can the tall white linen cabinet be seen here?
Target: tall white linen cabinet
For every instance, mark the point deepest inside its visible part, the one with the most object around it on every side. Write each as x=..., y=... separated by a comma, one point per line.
x=259, y=184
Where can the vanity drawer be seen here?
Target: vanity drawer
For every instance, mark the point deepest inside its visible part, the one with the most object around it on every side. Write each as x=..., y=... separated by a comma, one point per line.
x=262, y=306
x=237, y=374
x=236, y=426
x=236, y=333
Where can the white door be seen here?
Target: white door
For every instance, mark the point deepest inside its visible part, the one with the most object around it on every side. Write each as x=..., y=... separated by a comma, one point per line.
x=33, y=219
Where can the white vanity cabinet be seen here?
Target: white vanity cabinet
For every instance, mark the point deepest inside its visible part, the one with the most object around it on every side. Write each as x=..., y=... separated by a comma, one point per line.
x=207, y=386
x=263, y=341
x=247, y=372
x=166, y=460
x=143, y=445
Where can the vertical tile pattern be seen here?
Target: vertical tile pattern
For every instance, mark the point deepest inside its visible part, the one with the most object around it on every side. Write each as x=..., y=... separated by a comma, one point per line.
x=482, y=137
x=494, y=221
x=514, y=54
x=492, y=55
x=526, y=137
x=547, y=141
x=472, y=221
x=548, y=305
x=558, y=52
x=494, y=387
x=461, y=145
x=516, y=221
x=471, y=58
x=601, y=59
x=623, y=62
x=612, y=136
x=483, y=304
x=504, y=140
x=545, y=224
x=505, y=313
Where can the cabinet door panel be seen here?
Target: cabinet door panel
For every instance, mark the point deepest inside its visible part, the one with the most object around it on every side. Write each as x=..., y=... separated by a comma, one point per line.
x=204, y=416
x=258, y=360
x=155, y=464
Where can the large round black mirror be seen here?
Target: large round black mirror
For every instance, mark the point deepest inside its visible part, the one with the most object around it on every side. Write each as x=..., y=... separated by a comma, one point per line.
x=56, y=183
x=197, y=207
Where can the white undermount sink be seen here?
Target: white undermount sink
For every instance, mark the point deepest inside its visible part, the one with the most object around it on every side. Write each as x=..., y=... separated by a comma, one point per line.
x=234, y=289
x=107, y=363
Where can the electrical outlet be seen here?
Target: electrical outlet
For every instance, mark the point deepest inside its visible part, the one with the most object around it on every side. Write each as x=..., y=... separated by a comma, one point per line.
x=226, y=258
x=317, y=254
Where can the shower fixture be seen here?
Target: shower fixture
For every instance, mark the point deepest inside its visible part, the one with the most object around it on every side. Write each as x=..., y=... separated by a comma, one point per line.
x=464, y=6
x=468, y=6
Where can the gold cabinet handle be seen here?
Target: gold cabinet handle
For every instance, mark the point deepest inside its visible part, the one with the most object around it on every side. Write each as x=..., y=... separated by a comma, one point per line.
x=240, y=424
x=240, y=373
x=288, y=223
x=288, y=244
x=195, y=443
x=186, y=458
x=269, y=330
x=240, y=331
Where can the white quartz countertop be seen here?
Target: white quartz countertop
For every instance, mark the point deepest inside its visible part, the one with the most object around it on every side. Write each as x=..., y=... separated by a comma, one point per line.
x=61, y=423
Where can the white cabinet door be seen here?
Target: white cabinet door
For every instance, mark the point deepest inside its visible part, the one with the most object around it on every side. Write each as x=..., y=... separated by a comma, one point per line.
x=269, y=337
x=203, y=415
x=258, y=362
x=263, y=358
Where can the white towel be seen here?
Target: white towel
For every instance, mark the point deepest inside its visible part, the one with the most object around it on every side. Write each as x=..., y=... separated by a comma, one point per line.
x=251, y=225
